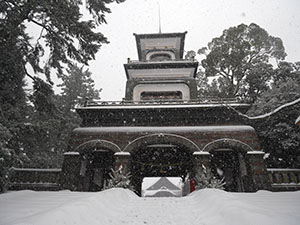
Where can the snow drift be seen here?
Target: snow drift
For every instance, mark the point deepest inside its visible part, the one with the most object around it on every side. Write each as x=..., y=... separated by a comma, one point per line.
x=120, y=206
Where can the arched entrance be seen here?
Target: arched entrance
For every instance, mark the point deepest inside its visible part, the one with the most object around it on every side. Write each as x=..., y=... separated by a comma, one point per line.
x=228, y=161
x=160, y=155
x=97, y=159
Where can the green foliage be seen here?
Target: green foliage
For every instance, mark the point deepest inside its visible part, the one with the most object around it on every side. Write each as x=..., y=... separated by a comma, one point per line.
x=61, y=24
x=40, y=131
x=43, y=134
x=278, y=134
x=237, y=56
x=77, y=87
x=43, y=97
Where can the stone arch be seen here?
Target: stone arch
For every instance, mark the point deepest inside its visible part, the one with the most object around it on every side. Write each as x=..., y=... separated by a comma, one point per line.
x=86, y=147
x=229, y=157
x=161, y=138
x=227, y=143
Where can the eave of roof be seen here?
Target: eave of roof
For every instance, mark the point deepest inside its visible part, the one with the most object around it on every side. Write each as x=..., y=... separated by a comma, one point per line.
x=161, y=65
x=151, y=106
x=138, y=38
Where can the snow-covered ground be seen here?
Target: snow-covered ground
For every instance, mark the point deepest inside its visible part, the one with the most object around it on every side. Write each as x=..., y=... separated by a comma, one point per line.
x=120, y=206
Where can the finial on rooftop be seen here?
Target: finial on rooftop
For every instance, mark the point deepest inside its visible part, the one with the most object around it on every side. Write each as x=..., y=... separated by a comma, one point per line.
x=159, y=31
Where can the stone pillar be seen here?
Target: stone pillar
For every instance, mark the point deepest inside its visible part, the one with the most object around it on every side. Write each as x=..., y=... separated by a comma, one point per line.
x=202, y=161
x=122, y=159
x=70, y=178
x=258, y=170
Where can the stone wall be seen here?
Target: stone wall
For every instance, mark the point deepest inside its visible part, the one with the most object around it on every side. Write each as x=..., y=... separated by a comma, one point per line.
x=35, y=179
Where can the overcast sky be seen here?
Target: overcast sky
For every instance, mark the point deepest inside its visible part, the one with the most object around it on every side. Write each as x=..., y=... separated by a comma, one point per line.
x=202, y=19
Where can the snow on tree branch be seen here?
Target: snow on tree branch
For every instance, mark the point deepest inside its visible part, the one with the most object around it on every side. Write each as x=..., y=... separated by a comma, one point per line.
x=267, y=114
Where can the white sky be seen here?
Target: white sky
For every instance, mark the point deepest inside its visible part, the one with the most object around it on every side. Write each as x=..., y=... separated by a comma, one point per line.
x=203, y=19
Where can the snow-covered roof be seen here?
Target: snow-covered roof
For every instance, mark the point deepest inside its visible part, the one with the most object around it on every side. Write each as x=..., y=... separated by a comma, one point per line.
x=37, y=169
x=141, y=105
x=201, y=153
x=163, y=184
x=282, y=169
x=230, y=128
x=255, y=153
x=122, y=153
x=160, y=40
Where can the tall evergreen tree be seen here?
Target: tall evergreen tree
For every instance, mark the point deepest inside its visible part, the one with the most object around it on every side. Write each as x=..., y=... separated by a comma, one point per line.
x=240, y=58
x=77, y=87
x=66, y=37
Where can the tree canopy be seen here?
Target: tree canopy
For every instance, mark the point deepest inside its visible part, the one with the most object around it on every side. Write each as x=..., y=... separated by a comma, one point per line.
x=65, y=36
x=36, y=124
x=279, y=134
x=240, y=59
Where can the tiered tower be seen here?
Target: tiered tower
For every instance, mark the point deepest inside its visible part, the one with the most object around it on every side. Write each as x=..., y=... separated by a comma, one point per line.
x=161, y=73
x=162, y=129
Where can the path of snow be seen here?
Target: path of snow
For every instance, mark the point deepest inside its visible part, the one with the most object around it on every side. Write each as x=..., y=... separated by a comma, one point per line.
x=119, y=206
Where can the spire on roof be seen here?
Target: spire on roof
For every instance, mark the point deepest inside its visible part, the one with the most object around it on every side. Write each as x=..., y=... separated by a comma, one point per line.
x=159, y=30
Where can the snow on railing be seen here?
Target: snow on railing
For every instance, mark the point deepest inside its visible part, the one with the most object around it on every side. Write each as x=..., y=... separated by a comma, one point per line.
x=283, y=179
x=129, y=61
x=34, y=179
x=160, y=102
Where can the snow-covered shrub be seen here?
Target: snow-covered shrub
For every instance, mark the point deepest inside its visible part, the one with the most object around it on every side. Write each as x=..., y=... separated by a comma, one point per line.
x=119, y=179
x=207, y=180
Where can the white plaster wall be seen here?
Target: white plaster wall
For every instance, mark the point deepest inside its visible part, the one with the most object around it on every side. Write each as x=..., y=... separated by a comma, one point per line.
x=183, y=88
x=161, y=73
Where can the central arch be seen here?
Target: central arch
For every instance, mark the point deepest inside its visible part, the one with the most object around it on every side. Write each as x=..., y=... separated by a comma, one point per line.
x=227, y=143
x=160, y=155
x=161, y=138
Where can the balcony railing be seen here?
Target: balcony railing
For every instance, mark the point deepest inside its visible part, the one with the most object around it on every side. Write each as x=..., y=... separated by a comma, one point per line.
x=284, y=179
x=91, y=103
x=129, y=61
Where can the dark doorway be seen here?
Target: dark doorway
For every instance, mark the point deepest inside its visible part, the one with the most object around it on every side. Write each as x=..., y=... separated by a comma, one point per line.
x=231, y=165
x=160, y=160
x=95, y=169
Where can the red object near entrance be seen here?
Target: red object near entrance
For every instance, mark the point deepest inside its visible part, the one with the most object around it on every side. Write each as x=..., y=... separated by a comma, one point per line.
x=192, y=185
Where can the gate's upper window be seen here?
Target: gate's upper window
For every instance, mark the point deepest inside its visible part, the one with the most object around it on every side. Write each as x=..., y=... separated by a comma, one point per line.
x=160, y=57
x=161, y=95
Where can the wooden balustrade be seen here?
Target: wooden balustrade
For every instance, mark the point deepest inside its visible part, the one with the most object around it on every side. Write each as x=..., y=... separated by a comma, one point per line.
x=284, y=179
x=34, y=179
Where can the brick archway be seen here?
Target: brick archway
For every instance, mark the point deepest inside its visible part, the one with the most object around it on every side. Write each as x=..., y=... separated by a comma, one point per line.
x=96, y=160
x=161, y=138
x=228, y=161
x=227, y=143
x=160, y=155
x=86, y=147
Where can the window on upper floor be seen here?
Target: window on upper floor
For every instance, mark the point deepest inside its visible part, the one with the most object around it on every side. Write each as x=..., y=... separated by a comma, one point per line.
x=161, y=95
x=160, y=56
